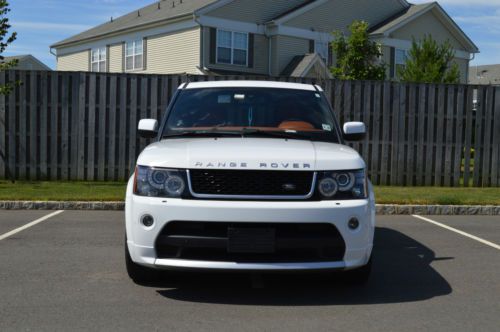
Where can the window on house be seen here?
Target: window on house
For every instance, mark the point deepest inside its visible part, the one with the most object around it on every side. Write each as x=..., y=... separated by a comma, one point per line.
x=232, y=48
x=321, y=48
x=98, y=59
x=134, y=55
x=400, y=58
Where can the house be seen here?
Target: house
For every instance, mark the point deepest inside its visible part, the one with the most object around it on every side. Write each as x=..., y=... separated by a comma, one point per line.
x=26, y=62
x=258, y=37
x=485, y=75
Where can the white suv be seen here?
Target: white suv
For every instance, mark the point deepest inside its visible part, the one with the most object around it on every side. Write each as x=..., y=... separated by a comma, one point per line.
x=250, y=176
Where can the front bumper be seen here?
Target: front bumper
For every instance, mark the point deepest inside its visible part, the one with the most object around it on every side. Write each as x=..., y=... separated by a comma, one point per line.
x=141, y=240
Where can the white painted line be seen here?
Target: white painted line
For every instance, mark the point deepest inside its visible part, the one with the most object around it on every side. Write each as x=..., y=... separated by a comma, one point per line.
x=31, y=224
x=470, y=236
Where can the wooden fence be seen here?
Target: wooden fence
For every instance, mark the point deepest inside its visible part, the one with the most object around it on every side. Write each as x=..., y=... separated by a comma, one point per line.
x=82, y=126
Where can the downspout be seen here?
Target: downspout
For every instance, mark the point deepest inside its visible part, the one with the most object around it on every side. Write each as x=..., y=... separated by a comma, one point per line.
x=468, y=66
x=202, y=42
x=269, y=46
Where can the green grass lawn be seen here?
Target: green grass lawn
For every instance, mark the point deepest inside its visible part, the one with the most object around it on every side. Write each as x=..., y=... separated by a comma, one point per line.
x=62, y=191
x=439, y=196
x=115, y=191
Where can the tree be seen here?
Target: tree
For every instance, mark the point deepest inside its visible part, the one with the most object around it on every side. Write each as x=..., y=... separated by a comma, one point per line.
x=429, y=62
x=5, y=40
x=357, y=56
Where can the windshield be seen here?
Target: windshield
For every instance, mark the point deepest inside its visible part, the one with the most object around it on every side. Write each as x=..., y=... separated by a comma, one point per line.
x=286, y=113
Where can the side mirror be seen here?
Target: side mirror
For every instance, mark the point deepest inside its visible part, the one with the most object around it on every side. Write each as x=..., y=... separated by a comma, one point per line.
x=354, y=131
x=148, y=128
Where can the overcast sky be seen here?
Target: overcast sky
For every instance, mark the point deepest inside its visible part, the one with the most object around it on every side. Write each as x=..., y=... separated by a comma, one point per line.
x=40, y=23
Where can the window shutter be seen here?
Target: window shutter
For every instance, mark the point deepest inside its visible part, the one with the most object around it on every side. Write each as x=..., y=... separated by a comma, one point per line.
x=123, y=56
x=330, y=55
x=145, y=53
x=251, y=49
x=213, y=44
x=393, y=62
x=107, y=58
x=312, y=46
x=90, y=59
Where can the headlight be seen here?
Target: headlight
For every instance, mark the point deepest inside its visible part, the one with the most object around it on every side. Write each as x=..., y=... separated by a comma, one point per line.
x=159, y=182
x=341, y=185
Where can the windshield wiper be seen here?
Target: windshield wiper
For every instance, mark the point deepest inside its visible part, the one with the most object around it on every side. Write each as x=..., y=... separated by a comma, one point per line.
x=218, y=132
x=215, y=132
x=277, y=134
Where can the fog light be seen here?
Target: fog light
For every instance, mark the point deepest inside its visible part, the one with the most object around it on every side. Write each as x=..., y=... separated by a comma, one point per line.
x=147, y=220
x=353, y=223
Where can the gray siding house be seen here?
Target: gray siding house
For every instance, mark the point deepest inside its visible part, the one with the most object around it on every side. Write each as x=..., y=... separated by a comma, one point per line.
x=258, y=37
x=27, y=62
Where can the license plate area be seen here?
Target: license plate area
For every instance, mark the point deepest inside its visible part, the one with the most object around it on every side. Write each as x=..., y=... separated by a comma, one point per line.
x=251, y=240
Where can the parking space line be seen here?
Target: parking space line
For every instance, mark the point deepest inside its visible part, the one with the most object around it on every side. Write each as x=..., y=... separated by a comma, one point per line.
x=470, y=236
x=31, y=224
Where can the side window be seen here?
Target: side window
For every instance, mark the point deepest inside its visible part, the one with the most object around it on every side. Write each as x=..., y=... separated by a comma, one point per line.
x=134, y=55
x=98, y=59
x=400, y=58
x=232, y=48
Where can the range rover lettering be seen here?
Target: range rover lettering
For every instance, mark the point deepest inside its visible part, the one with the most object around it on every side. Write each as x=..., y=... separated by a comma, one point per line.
x=249, y=176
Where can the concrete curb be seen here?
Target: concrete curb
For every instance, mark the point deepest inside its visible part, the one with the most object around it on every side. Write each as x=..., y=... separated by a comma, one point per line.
x=383, y=209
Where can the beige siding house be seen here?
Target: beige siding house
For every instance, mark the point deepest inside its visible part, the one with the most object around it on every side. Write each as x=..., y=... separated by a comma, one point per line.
x=258, y=37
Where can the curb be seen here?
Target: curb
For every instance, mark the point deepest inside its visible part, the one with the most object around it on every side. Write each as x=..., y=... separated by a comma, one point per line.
x=382, y=209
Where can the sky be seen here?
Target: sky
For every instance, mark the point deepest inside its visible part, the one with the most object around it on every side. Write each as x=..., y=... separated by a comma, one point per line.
x=40, y=23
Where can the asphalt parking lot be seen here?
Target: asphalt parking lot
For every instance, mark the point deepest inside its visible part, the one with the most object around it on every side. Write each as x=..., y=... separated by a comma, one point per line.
x=67, y=273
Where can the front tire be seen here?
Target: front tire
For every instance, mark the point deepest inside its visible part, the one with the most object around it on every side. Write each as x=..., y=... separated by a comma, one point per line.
x=138, y=273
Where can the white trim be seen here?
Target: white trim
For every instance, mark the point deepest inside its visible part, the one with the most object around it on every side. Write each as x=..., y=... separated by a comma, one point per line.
x=299, y=12
x=406, y=45
x=232, y=48
x=222, y=23
x=212, y=6
x=169, y=28
x=300, y=33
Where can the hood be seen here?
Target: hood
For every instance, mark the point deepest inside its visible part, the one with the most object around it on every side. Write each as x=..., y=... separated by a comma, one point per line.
x=250, y=153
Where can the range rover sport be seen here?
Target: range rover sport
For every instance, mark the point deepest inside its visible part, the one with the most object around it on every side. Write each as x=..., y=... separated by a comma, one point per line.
x=249, y=176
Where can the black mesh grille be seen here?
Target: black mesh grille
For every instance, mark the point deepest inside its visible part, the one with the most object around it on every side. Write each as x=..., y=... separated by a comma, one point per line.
x=251, y=183
x=302, y=242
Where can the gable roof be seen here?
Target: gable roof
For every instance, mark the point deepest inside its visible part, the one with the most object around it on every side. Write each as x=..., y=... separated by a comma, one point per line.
x=415, y=11
x=26, y=57
x=302, y=64
x=157, y=12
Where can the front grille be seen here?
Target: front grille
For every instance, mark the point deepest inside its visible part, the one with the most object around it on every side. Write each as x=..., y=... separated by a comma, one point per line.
x=251, y=183
x=210, y=241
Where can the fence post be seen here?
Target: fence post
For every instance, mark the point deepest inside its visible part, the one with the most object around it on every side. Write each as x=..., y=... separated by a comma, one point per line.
x=468, y=133
x=80, y=125
x=3, y=133
x=495, y=157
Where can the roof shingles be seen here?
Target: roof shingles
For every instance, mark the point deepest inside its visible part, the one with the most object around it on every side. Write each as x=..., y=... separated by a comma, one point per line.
x=157, y=12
